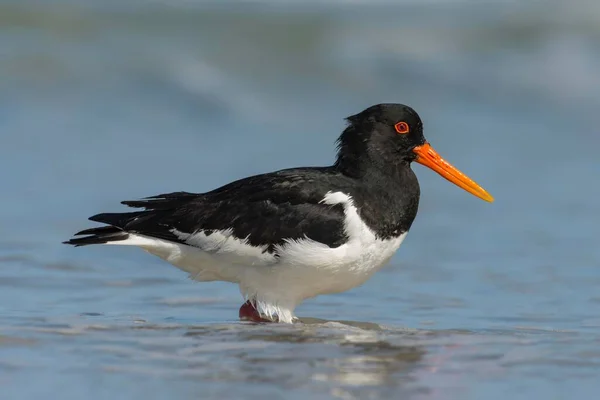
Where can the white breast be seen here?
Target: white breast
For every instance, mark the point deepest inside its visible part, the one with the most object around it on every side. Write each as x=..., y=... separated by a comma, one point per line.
x=308, y=268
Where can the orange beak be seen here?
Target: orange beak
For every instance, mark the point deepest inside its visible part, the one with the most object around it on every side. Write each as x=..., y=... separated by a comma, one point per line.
x=427, y=156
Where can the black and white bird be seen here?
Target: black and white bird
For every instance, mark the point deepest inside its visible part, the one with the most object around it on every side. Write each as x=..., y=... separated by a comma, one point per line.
x=290, y=235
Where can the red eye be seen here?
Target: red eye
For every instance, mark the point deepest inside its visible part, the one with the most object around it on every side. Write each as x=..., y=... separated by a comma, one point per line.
x=402, y=128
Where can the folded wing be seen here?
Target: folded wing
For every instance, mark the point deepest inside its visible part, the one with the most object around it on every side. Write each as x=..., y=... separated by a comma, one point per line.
x=264, y=211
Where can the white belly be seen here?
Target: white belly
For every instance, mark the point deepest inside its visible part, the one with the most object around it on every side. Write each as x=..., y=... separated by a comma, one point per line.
x=307, y=269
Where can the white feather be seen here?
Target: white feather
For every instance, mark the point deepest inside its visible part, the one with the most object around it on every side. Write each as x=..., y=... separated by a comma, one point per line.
x=303, y=269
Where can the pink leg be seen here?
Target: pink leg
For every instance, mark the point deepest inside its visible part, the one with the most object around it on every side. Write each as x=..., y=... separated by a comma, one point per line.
x=249, y=313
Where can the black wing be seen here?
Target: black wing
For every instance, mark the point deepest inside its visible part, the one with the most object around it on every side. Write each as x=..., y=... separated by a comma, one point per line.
x=265, y=209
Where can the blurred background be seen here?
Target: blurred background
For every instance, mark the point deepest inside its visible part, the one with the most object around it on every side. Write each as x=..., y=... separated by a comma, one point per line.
x=109, y=100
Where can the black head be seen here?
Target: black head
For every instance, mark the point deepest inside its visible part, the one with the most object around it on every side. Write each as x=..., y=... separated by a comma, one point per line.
x=382, y=135
x=385, y=138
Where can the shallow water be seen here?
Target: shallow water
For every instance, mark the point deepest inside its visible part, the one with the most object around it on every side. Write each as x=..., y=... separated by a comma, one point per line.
x=107, y=101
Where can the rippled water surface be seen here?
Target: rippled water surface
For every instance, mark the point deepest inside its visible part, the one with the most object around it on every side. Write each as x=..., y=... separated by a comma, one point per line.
x=114, y=100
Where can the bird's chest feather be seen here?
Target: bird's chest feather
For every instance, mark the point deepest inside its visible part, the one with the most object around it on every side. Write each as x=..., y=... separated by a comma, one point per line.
x=316, y=268
x=311, y=268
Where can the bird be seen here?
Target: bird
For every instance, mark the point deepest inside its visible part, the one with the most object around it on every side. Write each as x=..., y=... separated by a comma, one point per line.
x=297, y=233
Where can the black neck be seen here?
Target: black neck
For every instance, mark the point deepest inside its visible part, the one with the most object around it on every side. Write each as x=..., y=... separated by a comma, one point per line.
x=387, y=191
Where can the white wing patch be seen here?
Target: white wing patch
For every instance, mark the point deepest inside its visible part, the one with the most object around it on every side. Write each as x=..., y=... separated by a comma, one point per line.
x=222, y=242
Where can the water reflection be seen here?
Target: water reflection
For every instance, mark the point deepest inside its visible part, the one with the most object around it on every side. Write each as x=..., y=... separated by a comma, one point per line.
x=330, y=352
x=343, y=359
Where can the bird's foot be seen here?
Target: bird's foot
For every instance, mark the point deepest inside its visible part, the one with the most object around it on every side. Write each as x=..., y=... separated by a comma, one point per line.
x=249, y=313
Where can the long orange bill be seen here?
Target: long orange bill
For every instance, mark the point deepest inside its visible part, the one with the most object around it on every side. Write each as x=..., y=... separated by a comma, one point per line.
x=427, y=156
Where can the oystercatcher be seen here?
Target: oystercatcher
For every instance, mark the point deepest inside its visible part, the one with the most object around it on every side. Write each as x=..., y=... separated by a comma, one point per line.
x=290, y=235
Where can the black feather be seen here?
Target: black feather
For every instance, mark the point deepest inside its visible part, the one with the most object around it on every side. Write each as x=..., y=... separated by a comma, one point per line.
x=161, y=201
x=101, y=230
x=119, y=220
x=100, y=235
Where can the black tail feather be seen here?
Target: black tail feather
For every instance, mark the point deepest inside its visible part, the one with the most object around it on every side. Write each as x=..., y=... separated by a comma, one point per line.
x=103, y=234
x=119, y=220
x=162, y=201
x=147, y=222
x=101, y=230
